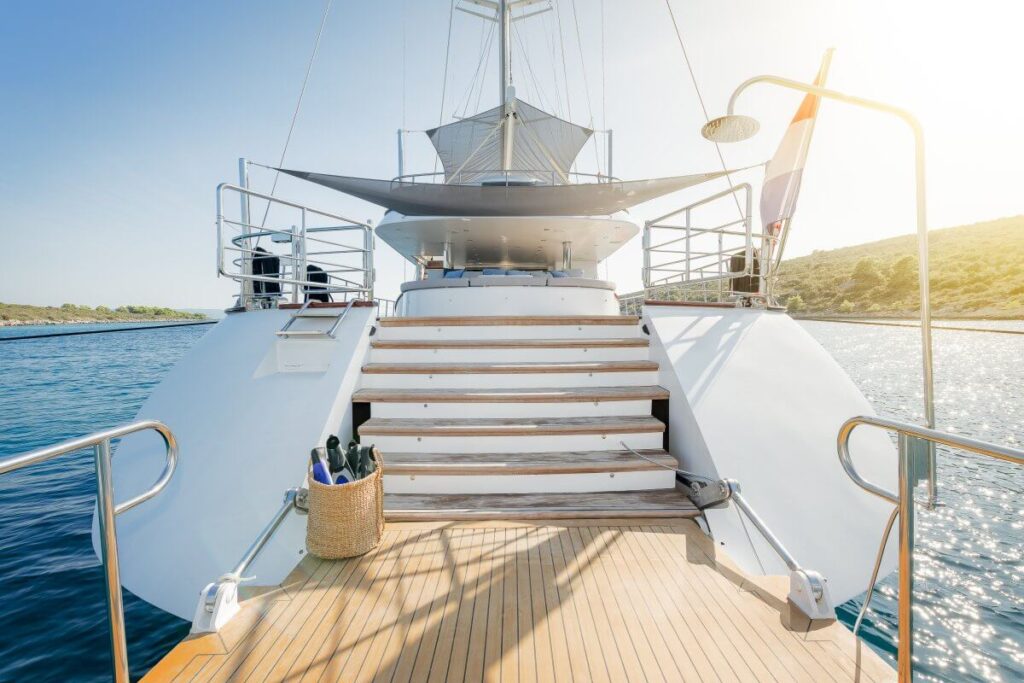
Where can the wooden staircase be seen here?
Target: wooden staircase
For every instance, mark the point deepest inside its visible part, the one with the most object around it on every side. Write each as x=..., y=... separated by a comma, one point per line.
x=518, y=418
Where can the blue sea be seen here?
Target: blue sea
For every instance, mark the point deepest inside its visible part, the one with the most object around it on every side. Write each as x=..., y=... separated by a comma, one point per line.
x=970, y=616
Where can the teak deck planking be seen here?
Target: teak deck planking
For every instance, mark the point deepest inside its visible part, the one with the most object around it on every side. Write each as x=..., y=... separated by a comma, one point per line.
x=580, y=600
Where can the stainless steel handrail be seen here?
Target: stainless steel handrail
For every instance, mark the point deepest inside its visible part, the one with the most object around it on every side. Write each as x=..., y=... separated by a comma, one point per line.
x=218, y=602
x=107, y=510
x=442, y=177
x=813, y=578
x=694, y=270
x=300, y=236
x=291, y=497
x=904, y=501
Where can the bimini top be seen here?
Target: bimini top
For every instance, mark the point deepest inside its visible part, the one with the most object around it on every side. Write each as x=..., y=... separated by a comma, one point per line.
x=429, y=199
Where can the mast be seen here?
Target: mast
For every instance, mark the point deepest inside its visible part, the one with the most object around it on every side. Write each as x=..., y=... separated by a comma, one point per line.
x=507, y=95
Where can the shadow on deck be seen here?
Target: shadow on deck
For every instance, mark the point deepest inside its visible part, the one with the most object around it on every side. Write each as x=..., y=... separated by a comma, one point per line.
x=577, y=600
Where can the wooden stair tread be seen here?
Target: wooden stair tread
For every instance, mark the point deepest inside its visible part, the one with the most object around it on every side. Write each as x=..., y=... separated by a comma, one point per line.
x=552, y=395
x=561, y=462
x=627, y=342
x=511, y=506
x=510, y=426
x=491, y=320
x=507, y=368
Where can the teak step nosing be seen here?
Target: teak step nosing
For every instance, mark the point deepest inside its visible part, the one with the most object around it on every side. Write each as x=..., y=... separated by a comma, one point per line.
x=506, y=464
x=414, y=344
x=382, y=426
x=491, y=321
x=507, y=368
x=512, y=506
x=540, y=395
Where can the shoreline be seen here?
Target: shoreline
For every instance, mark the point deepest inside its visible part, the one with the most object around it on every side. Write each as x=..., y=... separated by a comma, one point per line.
x=898, y=318
x=53, y=323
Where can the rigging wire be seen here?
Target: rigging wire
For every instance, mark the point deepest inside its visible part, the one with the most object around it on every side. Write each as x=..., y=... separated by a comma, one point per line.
x=586, y=85
x=565, y=68
x=447, y=55
x=298, y=104
x=604, y=90
x=700, y=98
x=483, y=75
x=550, y=32
x=529, y=67
x=485, y=44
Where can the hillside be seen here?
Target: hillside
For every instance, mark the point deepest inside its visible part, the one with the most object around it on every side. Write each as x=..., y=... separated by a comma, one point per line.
x=977, y=271
x=17, y=314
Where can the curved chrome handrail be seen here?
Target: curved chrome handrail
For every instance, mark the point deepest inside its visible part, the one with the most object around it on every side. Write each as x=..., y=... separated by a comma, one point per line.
x=107, y=510
x=904, y=501
x=964, y=443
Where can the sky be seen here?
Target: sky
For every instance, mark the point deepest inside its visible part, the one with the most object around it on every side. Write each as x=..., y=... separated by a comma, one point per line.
x=120, y=118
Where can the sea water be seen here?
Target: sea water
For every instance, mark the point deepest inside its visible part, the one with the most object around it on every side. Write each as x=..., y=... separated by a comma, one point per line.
x=970, y=617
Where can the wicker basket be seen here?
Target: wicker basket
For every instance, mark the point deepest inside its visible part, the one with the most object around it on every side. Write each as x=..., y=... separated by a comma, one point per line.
x=348, y=519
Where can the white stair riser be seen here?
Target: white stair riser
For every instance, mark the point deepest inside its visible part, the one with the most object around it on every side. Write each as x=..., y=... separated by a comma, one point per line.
x=510, y=444
x=502, y=332
x=515, y=410
x=484, y=355
x=591, y=482
x=527, y=380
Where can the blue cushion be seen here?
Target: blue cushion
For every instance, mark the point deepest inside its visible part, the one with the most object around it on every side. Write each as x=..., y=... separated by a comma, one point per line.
x=559, y=273
x=494, y=271
x=453, y=274
x=513, y=271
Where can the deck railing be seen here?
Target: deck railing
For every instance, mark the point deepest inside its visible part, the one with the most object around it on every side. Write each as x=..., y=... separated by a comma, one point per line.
x=309, y=252
x=504, y=178
x=685, y=261
x=107, y=511
x=915, y=443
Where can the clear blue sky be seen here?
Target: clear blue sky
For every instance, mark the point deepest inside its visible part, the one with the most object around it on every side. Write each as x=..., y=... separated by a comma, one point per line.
x=119, y=118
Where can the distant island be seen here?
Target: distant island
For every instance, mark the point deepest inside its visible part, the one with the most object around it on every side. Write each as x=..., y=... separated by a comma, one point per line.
x=69, y=314
x=977, y=271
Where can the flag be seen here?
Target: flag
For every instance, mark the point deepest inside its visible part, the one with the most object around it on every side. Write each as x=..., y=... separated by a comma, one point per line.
x=782, y=176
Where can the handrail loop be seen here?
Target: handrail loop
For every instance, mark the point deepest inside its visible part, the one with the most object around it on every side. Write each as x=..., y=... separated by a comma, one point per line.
x=107, y=510
x=904, y=501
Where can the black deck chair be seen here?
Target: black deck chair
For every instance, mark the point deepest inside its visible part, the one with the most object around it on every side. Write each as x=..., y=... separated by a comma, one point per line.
x=266, y=265
x=313, y=293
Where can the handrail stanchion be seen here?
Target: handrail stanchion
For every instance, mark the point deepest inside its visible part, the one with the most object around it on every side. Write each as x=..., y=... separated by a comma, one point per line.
x=905, y=608
x=105, y=517
x=106, y=513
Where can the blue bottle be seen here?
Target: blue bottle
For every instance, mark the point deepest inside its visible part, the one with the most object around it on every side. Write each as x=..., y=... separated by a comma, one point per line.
x=321, y=472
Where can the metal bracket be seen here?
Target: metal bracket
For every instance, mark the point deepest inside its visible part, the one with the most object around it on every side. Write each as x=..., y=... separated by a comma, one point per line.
x=921, y=454
x=708, y=494
x=301, y=501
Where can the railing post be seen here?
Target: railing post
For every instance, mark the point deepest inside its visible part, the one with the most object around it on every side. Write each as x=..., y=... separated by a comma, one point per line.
x=369, y=275
x=302, y=275
x=295, y=264
x=687, y=273
x=905, y=611
x=108, y=549
x=646, y=273
x=243, y=182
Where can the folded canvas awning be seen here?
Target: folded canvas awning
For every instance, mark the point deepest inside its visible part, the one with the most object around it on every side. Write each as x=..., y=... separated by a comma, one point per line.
x=540, y=145
x=426, y=199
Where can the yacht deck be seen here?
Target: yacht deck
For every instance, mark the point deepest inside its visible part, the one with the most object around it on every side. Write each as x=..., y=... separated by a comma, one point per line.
x=582, y=600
